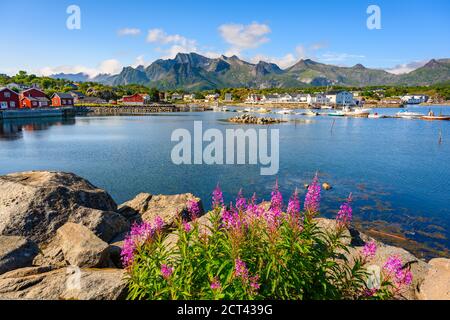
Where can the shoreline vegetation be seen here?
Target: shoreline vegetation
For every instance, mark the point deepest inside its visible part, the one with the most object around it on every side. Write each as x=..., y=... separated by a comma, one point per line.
x=80, y=234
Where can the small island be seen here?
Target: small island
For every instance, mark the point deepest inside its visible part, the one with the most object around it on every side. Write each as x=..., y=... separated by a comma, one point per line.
x=250, y=119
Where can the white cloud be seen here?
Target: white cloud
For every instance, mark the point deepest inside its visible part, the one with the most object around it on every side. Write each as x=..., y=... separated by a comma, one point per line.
x=129, y=32
x=406, y=67
x=289, y=59
x=173, y=44
x=242, y=37
x=110, y=66
x=283, y=62
x=339, y=57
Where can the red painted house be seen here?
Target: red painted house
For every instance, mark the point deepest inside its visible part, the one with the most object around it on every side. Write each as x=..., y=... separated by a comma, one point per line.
x=33, y=98
x=136, y=99
x=9, y=99
x=62, y=100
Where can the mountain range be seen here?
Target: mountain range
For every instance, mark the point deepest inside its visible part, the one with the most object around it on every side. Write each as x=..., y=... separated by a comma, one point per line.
x=192, y=71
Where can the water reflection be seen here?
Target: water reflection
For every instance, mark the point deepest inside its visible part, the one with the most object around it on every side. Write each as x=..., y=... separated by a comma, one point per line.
x=13, y=129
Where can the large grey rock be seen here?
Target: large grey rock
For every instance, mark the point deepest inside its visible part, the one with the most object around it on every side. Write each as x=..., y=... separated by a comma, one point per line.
x=45, y=283
x=168, y=207
x=436, y=285
x=81, y=247
x=16, y=252
x=35, y=204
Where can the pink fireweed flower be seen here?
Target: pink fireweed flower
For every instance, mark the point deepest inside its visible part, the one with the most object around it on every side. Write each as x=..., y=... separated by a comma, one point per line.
x=138, y=236
x=394, y=269
x=240, y=269
x=369, y=250
x=344, y=216
x=215, y=285
x=241, y=202
x=193, y=208
x=276, y=201
x=217, y=197
x=166, y=271
x=392, y=265
x=294, y=204
x=312, y=198
x=187, y=227
x=254, y=285
x=253, y=199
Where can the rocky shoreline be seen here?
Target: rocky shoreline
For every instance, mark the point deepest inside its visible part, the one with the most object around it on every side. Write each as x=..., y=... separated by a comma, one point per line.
x=61, y=238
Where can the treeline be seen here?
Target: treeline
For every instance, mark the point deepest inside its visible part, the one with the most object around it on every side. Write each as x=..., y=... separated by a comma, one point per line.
x=93, y=89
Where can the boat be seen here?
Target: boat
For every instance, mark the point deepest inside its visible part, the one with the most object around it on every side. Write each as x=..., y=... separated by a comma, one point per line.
x=248, y=110
x=311, y=113
x=326, y=107
x=440, y=117
x=357, y=112
x=225, y=109
x=285, y=111
x=409, y=115
x=336, y=114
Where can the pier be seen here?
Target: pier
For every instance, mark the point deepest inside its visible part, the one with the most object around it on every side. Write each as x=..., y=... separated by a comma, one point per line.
x=37, y=113
x=126, y=110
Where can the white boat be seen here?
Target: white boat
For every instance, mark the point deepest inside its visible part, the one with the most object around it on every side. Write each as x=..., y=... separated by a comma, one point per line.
x=326, y=107
x=311, y=113
x=357, y=112
x=409, y=115
x=225, y=109
x=285, y=111
x=248, y=110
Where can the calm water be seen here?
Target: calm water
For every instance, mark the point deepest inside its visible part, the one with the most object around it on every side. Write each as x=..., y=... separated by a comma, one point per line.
x=397, y=171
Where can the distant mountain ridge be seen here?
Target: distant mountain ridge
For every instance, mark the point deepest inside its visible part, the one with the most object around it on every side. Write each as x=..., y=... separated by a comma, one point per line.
x=192, y=71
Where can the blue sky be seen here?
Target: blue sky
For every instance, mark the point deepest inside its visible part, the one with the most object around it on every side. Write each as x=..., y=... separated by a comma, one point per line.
x=114, y=34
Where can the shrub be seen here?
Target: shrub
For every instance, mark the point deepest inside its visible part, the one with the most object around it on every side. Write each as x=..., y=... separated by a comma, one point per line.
x=255, y=251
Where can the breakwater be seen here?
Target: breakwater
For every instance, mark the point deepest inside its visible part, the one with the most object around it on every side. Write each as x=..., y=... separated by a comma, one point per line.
x=37, y=113
x=127, y=110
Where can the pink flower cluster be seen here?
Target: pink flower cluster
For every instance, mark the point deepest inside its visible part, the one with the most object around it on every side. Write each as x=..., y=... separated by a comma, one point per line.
x=345, y=214
x=193, y=208
x=215, y=285
x=312, y=199
x=217, y=197
x=369, y=250
x=241, y=271
x=166, y=271
x=138, y=236
x=399, y=275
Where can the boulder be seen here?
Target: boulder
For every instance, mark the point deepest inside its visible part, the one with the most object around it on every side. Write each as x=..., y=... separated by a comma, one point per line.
x=330, y=225
x=46, y=283
x=35, y=204
x=137, y=206
x=326, y=186
x=81, y=247
x=16, y=252
x=168, y=207
x=436, y=285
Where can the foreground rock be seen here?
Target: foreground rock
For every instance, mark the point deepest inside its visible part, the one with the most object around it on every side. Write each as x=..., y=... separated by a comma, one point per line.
x=169, y=207
x=249, y=119
x=81, y=247
x=35, y=204
x=16, y=252
x=45, y=283
x=436, y=285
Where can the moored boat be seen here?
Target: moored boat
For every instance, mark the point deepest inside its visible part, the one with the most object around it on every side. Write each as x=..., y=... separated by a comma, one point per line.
x=440, y=117
x=409, y=115
x=285, y=111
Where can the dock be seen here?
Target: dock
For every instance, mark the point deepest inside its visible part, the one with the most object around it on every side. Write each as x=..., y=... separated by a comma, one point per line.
x=126, y=110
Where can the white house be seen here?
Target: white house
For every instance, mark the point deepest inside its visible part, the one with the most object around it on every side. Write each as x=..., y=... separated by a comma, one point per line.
x=340, y=97
x=228, y=97
x=253, y=98
x=212, y=97
x=177, y=96
x=414, y=99
x=189, y=97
